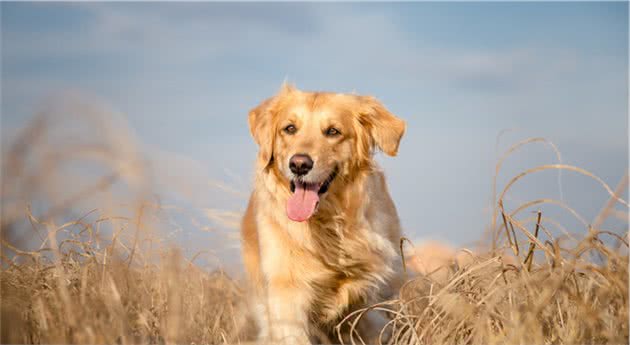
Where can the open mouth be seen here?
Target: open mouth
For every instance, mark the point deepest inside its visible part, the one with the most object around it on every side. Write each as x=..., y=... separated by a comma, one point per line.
x=305, y=199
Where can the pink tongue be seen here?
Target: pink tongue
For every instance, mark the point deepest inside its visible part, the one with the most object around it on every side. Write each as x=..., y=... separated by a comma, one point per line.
x=301, y=205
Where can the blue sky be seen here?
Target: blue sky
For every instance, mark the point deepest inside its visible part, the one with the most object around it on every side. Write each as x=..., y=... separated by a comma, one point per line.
x=185, y=75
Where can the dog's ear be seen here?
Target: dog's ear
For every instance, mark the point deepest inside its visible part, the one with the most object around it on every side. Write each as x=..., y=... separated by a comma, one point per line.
x=261, y=127
x=385, y=128
x=262, y=124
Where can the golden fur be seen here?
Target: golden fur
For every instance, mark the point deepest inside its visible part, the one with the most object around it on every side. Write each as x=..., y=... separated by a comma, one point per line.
x=307, y=275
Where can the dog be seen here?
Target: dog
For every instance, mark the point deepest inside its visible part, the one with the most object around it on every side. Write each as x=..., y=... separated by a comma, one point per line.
x=320, y=232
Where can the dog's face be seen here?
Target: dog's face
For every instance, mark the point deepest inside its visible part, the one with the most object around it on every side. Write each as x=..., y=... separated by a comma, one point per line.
x=314, y=138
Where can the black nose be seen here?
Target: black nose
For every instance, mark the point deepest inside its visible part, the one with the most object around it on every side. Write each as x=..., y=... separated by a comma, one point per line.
x=300, y=164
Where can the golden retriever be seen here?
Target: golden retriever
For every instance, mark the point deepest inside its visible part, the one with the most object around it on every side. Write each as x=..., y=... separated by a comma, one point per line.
x=320, y=233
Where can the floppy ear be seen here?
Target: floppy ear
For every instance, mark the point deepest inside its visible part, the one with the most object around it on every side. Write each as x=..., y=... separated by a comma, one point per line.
x=261, y=127
x=262, y=124
x=385, y=128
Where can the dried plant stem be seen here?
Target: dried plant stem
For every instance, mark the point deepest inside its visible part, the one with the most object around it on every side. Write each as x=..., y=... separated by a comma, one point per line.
x=530, y=253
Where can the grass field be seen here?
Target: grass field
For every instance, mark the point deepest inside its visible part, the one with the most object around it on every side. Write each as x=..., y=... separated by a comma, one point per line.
x=109, y=275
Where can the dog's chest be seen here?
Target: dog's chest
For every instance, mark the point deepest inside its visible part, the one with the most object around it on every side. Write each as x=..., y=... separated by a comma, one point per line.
x=340, y=265
x=354, y=273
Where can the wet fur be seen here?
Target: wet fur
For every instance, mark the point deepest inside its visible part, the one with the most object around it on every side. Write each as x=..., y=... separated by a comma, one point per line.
x=306, y=276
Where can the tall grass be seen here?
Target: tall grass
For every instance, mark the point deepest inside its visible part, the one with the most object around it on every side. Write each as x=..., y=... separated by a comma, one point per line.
x=86, y=259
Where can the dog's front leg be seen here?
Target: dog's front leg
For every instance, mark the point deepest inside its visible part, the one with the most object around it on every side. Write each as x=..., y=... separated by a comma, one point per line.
x=286, y=308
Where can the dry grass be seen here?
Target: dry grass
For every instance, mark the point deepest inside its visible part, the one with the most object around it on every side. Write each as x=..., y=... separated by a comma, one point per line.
x=86, y=260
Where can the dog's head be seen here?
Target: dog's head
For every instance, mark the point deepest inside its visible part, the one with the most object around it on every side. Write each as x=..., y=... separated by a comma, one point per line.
x=310, y=139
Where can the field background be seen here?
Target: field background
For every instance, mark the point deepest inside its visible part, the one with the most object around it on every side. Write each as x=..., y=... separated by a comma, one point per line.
x=127, y=162
x=115, y=274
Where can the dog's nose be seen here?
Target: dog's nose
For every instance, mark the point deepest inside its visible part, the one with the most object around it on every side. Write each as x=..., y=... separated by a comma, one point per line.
x=300, y=164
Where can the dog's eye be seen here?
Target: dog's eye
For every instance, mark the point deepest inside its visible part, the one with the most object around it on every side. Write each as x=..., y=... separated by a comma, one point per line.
x=290, y=129
x=332, y=132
